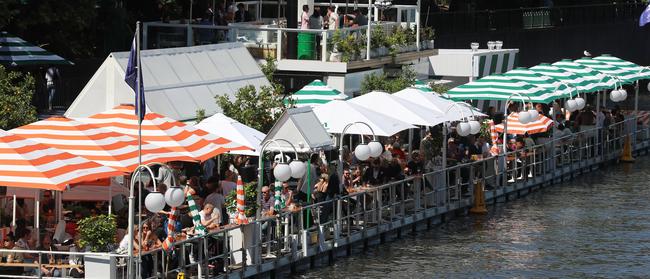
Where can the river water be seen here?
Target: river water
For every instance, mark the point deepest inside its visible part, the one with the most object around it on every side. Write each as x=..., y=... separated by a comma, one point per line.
x=596, y=226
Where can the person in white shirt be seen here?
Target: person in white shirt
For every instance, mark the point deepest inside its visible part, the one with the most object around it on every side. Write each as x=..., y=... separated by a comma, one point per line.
x=210, y=216
x=304, y=19
x=332, y=19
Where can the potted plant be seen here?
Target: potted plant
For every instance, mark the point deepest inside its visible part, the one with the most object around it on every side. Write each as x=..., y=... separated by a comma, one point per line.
x=244, y=237
x=334, y=46
x=378, y=42
x=410, y=39
x=97, y=233
x=427, y=35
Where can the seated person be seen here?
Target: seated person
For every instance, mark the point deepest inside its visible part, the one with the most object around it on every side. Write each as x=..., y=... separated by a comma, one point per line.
x=415, y=166
x=374, y=175
x=10, y=257
x=210, y=217
x=46, y=245
x=268, y=201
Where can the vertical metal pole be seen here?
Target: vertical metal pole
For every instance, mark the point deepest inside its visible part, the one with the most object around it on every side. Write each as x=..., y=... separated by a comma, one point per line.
x=278, y=49
x=417, y=26
x=260, y=181
x=368, y=27
x=636, y=98
x=324, y=55
x=130, y=271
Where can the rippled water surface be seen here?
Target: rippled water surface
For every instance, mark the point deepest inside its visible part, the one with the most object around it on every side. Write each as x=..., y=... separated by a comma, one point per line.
x=596, y=226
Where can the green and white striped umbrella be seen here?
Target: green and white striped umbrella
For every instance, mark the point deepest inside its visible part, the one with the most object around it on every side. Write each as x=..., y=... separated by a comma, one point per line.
x=642, y=72
x=15, y=51
x=314, y=94
x=583, y=84
x=499, y=87
x=422, y=86
x=589, y=74
x=556, y=86
x=625, y=76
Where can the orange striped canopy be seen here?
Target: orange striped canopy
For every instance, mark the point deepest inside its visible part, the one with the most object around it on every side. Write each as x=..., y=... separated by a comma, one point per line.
x=96, y=144
x=516, y=128
x=27, y=164
x=163, y=131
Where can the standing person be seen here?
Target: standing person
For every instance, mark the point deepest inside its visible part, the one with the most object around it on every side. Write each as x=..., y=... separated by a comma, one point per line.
x=242, y=15
x=332, y=19
x=304, y=19
x=51, y=74
x=316, y=20
x=359, y=18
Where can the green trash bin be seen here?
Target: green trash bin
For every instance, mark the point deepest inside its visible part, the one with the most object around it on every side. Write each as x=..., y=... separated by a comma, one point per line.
x=306, y=46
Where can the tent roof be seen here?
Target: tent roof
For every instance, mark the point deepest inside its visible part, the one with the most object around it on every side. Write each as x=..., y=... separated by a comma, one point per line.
x=404, y=110
x=224, y=126
x=177, y=81
x=15, y=51
x=314, y=94
x=301, y=127
x=337, y=114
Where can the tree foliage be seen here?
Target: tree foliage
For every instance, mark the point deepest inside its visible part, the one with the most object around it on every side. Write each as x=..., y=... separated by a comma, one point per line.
x=256, y=108
x=97, y=233
x=16, y=90
x=382, y=82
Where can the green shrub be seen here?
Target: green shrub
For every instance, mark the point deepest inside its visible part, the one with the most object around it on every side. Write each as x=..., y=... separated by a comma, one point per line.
x=97, y=233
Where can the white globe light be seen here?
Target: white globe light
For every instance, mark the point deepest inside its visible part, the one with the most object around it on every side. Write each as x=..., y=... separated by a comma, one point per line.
x=474, y=127
x=615, y=95
x=282, y=172
x=648, y=86
x=362, y=152
x=375, y=148
x=297, y=168
x=524, y=117
x=534, y=115
x=580, y=103
x=623, y=94
x=463, y=129
x=571, y=105
x=154, y=202
x=174, y=196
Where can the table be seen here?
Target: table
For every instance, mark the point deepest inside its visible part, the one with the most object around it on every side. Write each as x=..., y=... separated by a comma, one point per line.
x=62, y=267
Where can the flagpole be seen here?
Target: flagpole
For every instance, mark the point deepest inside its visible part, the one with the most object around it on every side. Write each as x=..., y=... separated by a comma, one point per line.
x=130, y=271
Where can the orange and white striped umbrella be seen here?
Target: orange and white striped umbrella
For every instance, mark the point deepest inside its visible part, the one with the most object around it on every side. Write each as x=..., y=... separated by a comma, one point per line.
x=240, y=218
x=27, y=164
x=540, y=125
x=164, y=132
x=96, y=144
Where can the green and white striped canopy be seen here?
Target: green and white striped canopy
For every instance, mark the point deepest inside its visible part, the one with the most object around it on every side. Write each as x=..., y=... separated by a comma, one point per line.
x=314, y=94
x=587, y=73
x=499, y=87
x=15, y=51
x=583, y=84
x=625, y=76
x=556, y=86
x=422, y=86
x=642, y=72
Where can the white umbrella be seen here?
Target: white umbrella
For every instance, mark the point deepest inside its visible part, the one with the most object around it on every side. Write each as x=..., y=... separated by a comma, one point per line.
x=337, y=114
x=437, y=103
x=226, y=127
x=406, y=111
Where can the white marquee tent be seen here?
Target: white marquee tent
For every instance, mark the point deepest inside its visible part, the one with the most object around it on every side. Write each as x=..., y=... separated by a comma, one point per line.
x=177, y=81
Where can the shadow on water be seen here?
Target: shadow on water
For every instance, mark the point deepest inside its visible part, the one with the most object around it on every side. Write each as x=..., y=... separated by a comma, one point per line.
x=595, y=226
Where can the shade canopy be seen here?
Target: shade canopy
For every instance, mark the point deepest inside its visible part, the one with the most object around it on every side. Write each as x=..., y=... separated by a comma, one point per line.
x=161, y=131
x=642, y=72
x=404, y=110
x=443, y=106
x=96, y=144
x=226, y=127
x=626, y=76
x=581, y=83
x=540, y=125
x=589, y=74
x=15, y=51
x=499, y=87
x=28, y=164
x=314, y=94
x=81, y=192
x=556, y=86
x=422, y=86
x=335, y=115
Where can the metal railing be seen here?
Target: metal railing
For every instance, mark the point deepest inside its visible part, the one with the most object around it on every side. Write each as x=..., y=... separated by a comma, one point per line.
x=289, y=236
x=271, y=41
x=531, y=18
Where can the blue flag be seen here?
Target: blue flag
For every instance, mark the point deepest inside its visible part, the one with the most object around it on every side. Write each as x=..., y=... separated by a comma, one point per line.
x=132, y=77
x=645, y=16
